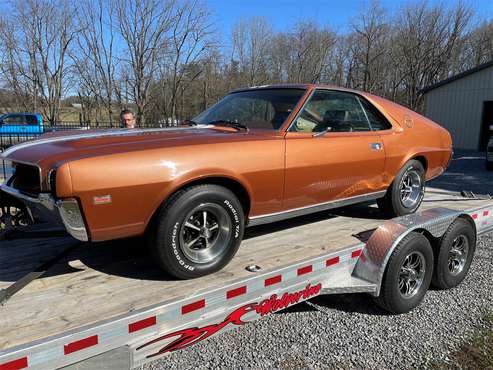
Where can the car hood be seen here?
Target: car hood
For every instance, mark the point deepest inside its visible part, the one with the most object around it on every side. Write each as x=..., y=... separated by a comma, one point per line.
x=55, y=148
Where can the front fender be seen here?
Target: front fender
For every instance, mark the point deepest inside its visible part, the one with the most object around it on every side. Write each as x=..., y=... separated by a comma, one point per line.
x=198, y=176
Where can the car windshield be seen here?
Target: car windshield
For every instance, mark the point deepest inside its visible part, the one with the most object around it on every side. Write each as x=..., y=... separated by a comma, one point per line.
x=258, y=108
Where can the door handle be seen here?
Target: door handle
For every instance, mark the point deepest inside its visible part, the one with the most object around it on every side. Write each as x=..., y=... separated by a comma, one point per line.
x=376, y=146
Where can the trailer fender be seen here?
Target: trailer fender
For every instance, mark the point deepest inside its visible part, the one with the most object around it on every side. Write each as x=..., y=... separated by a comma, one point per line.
x=383, y=241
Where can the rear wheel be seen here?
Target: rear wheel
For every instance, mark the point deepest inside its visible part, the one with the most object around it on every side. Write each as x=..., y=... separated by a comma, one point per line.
x=407, y=275
x=198, y=230
x=489, y=166
x=455, y=254
x=405, y=194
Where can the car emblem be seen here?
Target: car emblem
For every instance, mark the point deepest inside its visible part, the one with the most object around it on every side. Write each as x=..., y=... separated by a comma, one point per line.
x=102, y=199
x=408, y=120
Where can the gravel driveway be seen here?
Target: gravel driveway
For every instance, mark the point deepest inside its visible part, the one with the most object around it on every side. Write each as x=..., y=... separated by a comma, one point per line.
x=349, y=331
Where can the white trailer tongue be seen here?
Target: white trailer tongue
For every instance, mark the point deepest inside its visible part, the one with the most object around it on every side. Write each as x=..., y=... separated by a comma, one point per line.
x=104, y=306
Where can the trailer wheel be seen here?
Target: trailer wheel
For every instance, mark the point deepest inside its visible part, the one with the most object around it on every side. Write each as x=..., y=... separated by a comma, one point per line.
x=407, y=275
x=489, y=166
x=455, y=254
x=198, y=231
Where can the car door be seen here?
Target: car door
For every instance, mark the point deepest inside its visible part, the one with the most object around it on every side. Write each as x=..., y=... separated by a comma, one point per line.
x=331, y=152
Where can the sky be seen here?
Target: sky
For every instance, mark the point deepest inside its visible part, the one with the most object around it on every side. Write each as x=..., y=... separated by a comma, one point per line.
x=336, y=13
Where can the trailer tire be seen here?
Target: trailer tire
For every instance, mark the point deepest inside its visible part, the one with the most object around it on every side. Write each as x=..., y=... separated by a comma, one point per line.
x=396, y=201
x=407, y=275
x=489, y=166
x=454, y=255
x=197, y=231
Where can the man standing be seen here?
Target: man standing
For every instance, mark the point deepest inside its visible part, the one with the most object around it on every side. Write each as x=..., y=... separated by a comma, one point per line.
x=127, y=119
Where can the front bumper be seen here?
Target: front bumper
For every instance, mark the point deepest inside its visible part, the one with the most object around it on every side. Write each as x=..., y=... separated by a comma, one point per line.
x=45, y=208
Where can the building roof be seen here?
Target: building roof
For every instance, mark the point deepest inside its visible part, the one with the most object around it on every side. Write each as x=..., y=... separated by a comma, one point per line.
x=457, y=76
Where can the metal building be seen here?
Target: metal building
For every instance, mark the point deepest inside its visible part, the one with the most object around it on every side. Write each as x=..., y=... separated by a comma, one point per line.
x=464, y=105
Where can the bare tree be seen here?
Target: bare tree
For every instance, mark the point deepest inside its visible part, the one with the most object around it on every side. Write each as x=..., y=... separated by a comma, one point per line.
x=251, y=39
x=370, y=46
x=190, y=39
x=97, y=49
x=37, y=39
x=425, y=40
x=143, y=26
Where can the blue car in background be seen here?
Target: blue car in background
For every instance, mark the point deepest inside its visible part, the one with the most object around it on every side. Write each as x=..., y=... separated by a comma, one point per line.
x=13, y=124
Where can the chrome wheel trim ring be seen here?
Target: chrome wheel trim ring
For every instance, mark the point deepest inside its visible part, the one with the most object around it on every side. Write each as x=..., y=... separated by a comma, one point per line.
x=457, y=256
x=204, y=233
x=411, y=274
x=411, y=189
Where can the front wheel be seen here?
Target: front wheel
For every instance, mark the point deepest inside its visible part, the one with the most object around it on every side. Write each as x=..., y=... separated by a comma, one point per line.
x=405, y=194
x=198, y=231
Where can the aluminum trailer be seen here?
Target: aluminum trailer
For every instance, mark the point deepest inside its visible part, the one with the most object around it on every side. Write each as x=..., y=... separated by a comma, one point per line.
x=105, y=306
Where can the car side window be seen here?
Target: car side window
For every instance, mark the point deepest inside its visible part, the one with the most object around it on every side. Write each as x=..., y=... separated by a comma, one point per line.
x=377, y=120
x=332, y=111
x=31, y=120
x=20, y=120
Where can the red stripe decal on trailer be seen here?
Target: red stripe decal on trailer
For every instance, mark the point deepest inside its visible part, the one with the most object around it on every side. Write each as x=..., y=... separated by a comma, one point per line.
x=193, y=307
x=486, y=213
x=20, y=363
x=475, y=216
x=236, y=292
x=356, y=253
x=141, y=324
x=305, y=270
x=80, y=344
x=273, y=280
x=332, y=261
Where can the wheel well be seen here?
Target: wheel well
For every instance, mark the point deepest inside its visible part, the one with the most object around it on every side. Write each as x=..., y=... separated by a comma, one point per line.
x=237, y=188
x=421, y=159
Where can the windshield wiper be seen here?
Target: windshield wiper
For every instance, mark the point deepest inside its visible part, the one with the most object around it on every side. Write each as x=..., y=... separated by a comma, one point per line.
x=234, y=124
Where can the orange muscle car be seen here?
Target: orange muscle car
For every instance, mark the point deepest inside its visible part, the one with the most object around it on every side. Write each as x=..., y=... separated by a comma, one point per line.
x=259, y=155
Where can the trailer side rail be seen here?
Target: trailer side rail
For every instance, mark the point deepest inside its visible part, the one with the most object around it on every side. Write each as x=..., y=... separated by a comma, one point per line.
x=170, y=326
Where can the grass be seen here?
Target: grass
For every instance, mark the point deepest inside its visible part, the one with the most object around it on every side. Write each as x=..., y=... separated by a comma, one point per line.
x=475, y=354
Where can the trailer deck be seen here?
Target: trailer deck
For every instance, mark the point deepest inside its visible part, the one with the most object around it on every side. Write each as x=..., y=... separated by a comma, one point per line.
x=106, y=282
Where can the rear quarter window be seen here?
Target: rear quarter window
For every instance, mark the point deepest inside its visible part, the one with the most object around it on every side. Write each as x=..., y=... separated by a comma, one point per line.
x=377, y=120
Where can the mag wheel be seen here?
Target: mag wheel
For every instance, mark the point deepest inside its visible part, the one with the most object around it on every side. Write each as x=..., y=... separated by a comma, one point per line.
x=407, y=275
x=455, y=254
x=205, y=233
x=197, y=231
x=406, y=192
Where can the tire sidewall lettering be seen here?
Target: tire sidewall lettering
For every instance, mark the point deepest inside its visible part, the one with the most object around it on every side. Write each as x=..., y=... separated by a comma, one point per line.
x=175, y=247
x=236, y=218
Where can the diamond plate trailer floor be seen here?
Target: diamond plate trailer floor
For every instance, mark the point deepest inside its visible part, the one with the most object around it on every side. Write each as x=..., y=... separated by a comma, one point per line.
x=109, y=296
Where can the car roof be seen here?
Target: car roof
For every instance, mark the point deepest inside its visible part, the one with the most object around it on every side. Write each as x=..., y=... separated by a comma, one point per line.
x=298, y=86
